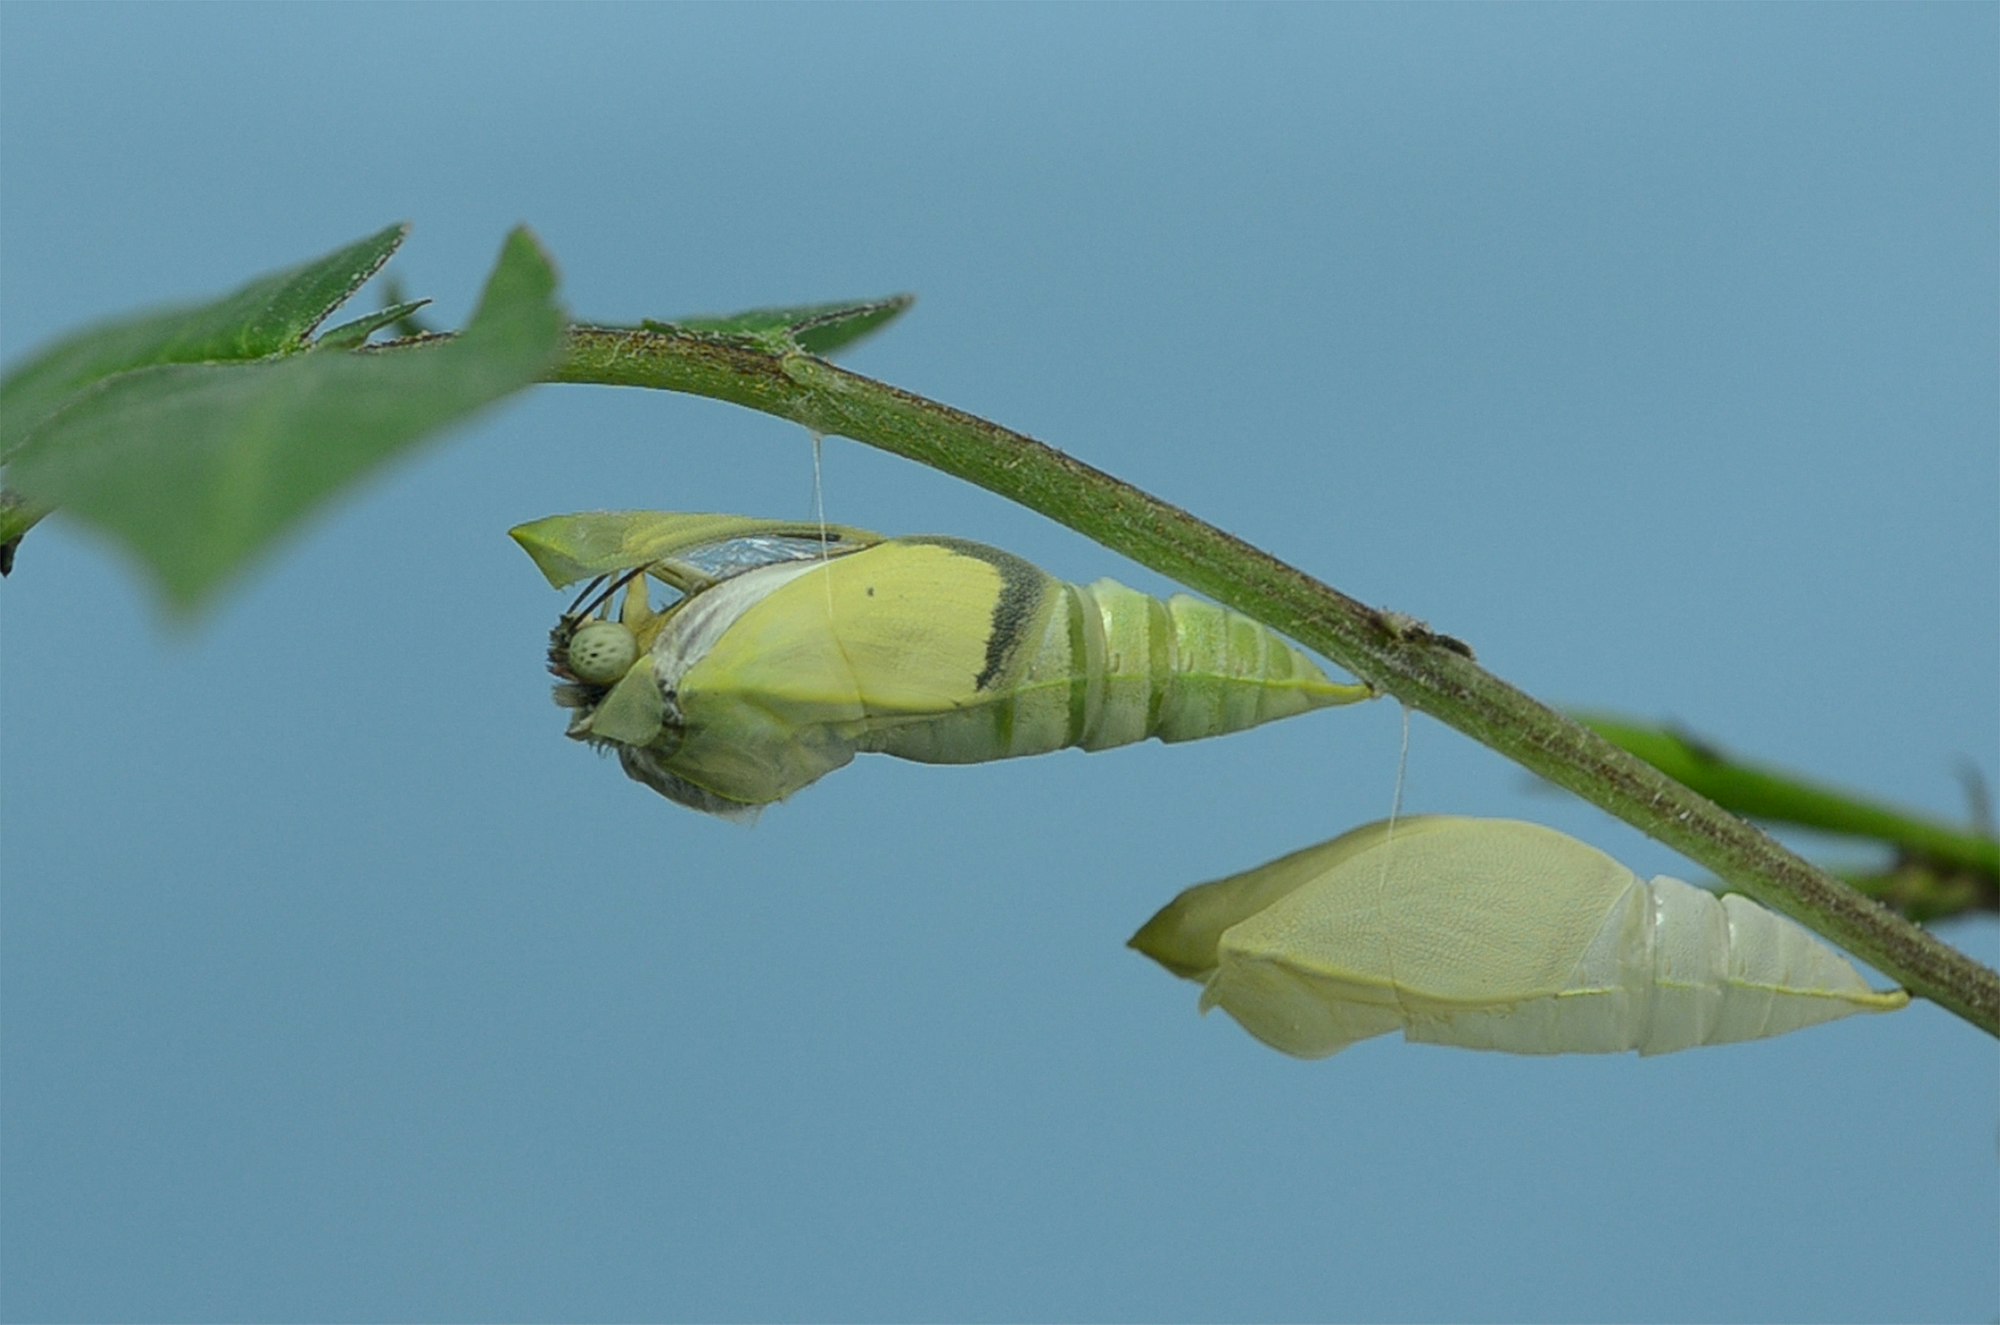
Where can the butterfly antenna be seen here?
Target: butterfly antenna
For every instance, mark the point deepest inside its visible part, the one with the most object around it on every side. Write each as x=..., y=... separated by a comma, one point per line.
x=577, y=609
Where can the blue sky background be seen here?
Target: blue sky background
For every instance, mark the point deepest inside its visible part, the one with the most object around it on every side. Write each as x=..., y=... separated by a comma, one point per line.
x=1650, y=349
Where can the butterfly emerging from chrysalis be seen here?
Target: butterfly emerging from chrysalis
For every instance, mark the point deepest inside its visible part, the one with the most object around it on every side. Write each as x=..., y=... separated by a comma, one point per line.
x=795, y=646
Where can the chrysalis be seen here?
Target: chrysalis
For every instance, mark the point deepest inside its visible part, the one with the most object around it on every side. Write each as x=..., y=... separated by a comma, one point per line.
x=795, y=646
x=1494, y=934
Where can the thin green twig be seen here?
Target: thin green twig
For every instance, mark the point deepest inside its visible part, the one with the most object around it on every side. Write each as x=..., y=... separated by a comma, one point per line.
x=1423, y=670
x=1780, y=796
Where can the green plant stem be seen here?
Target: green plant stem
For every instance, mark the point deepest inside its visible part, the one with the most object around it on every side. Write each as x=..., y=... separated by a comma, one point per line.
x=1423, y=670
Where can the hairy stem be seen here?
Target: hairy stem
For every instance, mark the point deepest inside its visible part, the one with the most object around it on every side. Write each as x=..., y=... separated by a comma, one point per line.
x=1426, y=671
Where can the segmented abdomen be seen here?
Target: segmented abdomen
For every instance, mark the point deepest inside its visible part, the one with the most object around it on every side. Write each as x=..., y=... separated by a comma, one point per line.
x=1727, y=970
x=1674, y=967
x=1102, y=665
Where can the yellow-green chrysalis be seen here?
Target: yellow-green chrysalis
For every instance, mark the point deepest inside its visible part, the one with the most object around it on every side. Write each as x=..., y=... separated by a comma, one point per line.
x=793, y=648
x=1494, y=934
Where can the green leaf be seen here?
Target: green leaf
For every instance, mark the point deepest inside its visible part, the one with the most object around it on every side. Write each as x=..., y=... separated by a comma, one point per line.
x=273, y=314
x=814, y=328
x=1776, y=796
x=353, y=335
x=200, y=467
x=409, y=324
x=16, y=518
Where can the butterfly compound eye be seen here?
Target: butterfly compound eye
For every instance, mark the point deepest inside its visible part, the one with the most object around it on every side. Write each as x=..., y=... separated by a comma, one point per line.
x=601, y=652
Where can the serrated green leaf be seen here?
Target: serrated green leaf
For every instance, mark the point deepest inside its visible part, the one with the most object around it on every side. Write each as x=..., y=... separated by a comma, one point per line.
x=353, y=335
x=199, y=467
x=814, y=328
x=271, y=315
x=1778, y=796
